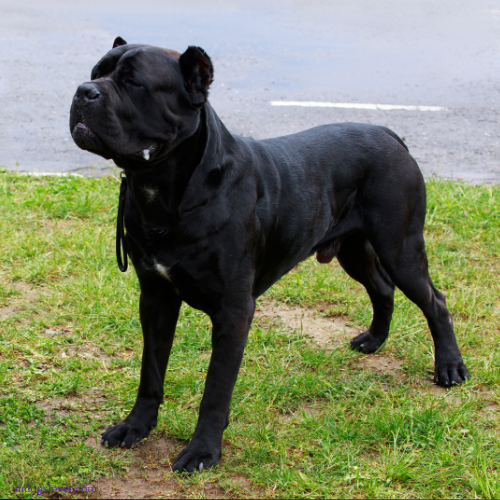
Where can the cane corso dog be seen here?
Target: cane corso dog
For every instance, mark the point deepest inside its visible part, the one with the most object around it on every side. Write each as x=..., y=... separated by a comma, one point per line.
x=214, y=220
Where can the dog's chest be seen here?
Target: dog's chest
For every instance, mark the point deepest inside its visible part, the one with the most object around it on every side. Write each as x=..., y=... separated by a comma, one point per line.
x=195, y=282
x=159, y=254
x=159, y=267
x=190, y=267
x=190, y=249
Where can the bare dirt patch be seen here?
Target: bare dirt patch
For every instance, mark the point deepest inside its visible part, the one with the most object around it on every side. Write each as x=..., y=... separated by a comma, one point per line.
x=150, y=475
x=324, y=332
x=5, y=312
x=27, y=292
x=59, y=331
x=310, y=410
x=80, y=348
x=445, y=394
x=50, y=223
x=327, y=333
x=63, y=406
x=382, y=363
x=89, y=351
x=457, y=395
x=490, y=412
x=19, y=302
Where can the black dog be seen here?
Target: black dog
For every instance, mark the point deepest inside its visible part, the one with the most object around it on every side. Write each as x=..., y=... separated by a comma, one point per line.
x=214, y=220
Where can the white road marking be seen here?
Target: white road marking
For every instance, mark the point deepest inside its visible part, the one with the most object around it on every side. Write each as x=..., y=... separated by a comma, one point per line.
x=40, y=174
x=355, y=105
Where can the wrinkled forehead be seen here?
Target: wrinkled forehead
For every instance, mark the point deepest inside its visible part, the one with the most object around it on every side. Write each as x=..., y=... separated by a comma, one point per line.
x=137, y=57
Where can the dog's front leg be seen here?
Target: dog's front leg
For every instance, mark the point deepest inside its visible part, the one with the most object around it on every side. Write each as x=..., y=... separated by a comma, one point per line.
x=229, y=335
x=159, y=310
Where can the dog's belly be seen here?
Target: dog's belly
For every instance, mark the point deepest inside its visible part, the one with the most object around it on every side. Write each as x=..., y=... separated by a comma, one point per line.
x=304, y=194
x=289, y=242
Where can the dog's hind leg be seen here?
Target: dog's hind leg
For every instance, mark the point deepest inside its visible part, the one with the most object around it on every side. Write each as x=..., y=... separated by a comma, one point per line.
x=405, y=260
x=358, y=258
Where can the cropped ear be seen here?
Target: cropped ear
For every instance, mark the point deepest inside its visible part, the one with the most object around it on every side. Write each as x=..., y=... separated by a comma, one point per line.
x=198, y=74
x=119, y=41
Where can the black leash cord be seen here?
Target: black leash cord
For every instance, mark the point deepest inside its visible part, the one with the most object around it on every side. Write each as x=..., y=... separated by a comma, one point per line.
x=120, y=229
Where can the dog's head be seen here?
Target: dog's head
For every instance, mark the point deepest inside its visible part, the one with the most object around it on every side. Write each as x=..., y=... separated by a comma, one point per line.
x=141, y=102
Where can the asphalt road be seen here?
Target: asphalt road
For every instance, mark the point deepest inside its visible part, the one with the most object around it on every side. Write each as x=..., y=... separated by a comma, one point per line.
x=421, y=52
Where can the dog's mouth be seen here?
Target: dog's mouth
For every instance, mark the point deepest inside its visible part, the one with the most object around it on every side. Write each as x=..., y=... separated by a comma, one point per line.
x=85, y=137
x=81, y=127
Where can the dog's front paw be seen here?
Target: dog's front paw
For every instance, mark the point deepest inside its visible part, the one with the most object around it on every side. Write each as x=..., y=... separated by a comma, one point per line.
x=450, y=373
x=197, y=455
x=126, y=434
x=366, y=342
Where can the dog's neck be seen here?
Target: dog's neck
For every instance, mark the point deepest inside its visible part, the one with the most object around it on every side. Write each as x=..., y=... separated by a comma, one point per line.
x=159, y=192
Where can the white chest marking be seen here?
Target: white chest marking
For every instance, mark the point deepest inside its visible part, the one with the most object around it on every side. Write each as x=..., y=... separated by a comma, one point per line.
x=146, y=152
x=162, y=271
x=151, y=193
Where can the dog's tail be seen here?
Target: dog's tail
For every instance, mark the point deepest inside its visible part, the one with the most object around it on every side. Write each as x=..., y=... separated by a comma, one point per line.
x=395, y=136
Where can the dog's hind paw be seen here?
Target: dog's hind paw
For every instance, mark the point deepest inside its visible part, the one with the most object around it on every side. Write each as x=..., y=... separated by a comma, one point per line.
x=448, y=374
x=125, y=434
x=366, y=342
x=197, y=455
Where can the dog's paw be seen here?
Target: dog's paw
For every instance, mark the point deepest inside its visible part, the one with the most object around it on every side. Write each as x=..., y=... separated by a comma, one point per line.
x=197, y=455
x=366, y=342
x=450, y=373
x=125, y=434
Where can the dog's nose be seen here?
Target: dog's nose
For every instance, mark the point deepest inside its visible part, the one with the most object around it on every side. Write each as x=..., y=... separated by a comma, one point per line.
x=87, y=92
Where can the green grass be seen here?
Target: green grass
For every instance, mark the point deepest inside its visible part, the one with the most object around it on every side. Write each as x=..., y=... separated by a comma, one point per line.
x=304, y=423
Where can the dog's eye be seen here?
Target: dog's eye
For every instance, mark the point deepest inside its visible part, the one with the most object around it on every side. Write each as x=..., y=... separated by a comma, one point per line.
x=135, y=84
